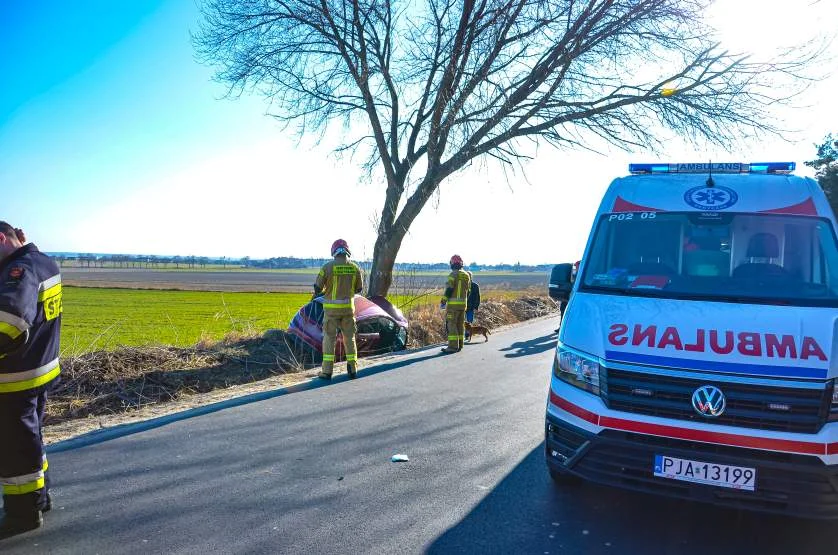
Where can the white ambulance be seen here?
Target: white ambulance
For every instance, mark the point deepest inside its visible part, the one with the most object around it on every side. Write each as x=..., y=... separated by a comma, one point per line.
x=698, y=354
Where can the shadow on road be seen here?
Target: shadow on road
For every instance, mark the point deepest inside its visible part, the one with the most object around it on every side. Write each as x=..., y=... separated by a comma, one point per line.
x=292, y=478
x=531, y=347
x=106, y=434
x=400, y=363
x=528, y=513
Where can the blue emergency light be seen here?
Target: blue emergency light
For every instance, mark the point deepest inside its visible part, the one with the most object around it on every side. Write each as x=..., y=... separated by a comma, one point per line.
x=714, y=167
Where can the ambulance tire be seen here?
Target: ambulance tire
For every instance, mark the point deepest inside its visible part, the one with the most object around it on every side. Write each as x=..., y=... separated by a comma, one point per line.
x=563, y=478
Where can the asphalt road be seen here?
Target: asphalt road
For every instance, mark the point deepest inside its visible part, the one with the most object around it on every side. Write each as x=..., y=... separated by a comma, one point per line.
x=231, y=280
x=310, y=472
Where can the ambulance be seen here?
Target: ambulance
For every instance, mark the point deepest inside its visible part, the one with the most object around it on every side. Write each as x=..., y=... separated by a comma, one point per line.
x=698, y=354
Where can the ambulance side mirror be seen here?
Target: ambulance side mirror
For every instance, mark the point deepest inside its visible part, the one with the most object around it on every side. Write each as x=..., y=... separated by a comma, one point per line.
x=560, y=285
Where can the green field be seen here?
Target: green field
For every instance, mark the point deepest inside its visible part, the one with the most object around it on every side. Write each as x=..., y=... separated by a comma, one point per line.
x=106, y=318
x=96, y=319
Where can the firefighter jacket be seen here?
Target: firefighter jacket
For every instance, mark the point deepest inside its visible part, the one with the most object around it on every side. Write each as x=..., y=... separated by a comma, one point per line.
x=338, y=281
x=457, y=288
x=30, y=320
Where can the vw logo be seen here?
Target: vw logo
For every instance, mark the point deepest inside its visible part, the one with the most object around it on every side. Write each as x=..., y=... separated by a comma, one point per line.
x=711, y=198
x=708, y=400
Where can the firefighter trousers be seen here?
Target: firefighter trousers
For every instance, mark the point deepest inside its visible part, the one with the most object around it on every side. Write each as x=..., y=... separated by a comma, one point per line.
x=455, y=318
x=23, y=463
x=345, y=322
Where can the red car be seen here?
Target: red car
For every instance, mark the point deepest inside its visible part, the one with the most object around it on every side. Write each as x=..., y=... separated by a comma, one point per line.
x=382, y=328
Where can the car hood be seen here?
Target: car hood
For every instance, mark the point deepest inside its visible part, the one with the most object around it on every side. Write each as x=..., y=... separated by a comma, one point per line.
x=371, y=315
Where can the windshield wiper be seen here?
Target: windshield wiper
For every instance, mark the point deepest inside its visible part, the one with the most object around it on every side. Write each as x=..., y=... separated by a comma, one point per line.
x=668, y=294
x=621, y=291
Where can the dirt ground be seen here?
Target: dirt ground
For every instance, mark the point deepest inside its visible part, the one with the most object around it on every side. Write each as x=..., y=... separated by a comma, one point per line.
x=68, y=429
x=274, y=281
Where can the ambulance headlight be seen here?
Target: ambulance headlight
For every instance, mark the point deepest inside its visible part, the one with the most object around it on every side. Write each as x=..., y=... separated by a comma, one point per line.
x=577, y=369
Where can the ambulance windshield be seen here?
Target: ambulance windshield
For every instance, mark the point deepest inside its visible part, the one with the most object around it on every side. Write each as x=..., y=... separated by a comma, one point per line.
x=719, y=256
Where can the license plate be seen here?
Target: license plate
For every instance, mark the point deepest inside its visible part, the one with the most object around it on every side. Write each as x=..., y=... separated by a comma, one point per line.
x=723, y=475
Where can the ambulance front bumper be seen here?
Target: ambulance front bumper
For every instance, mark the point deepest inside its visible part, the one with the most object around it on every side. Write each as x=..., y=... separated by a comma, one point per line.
x=797, y=474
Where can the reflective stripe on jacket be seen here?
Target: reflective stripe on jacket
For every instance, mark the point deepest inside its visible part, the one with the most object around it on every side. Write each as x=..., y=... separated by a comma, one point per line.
x=30, y=320
x=457, y=288
x=339, y=280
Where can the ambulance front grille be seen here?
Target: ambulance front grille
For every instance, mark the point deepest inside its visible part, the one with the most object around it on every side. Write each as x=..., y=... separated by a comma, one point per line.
x=799, y=410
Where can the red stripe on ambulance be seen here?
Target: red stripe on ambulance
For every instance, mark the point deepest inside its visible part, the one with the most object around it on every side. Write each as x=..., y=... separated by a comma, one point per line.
x=677, y=432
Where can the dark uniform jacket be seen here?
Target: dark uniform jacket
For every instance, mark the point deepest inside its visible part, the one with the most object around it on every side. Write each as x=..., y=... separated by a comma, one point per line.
x=30, y=320
x=473, y=296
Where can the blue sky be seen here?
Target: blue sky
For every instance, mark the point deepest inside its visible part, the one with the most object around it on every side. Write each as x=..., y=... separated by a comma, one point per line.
x=102, y=100
x=113, y=139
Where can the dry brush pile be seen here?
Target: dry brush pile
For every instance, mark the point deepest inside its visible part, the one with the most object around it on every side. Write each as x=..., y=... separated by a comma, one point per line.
x=128, y=378
x=427, y=323
x=107, y=382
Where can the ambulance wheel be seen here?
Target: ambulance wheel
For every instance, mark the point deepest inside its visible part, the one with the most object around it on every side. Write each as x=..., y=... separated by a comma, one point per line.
x=563, y=478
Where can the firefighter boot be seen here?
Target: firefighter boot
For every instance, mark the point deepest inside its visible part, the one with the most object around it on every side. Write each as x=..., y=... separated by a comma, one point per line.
x=12, y=525
x=327, y=367
x=351, y=370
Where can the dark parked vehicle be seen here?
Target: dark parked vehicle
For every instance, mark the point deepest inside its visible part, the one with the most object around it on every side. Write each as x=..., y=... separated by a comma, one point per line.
x=562, y=278
x=382, y=328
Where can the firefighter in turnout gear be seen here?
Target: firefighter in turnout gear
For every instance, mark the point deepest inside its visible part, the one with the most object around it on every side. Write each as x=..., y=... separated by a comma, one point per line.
x=30, y=322
x=338, y=282
x=454, y=300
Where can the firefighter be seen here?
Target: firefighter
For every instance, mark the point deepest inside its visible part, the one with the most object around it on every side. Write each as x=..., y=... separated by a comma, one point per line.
x=454, y=301
x=30, y=322
x=339, y=280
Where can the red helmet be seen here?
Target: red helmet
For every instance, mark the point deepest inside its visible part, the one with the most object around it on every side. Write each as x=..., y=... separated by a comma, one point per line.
x=340, y=247
x=456, y=261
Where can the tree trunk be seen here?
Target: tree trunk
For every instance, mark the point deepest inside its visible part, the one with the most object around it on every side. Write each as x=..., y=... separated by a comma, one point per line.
x=383, y=259
x=391, y=234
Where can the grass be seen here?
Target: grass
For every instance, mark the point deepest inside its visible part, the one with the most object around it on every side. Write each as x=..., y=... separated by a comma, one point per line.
x=106, y=382
x=103, y=319
x=107, y=318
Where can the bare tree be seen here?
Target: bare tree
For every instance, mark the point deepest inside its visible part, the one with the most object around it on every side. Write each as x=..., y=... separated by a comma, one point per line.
x=426, y=87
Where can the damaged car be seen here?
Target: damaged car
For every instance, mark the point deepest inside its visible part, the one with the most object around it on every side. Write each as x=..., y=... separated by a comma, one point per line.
x=382, y=328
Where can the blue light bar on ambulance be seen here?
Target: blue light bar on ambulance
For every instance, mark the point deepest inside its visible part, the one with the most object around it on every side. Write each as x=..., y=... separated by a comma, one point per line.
x=715, y=167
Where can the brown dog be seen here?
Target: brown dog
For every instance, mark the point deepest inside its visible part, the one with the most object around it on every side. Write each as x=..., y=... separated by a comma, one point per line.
x=473, y=330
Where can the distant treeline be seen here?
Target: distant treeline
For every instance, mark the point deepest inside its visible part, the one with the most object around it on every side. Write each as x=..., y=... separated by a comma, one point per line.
x=89, y=260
